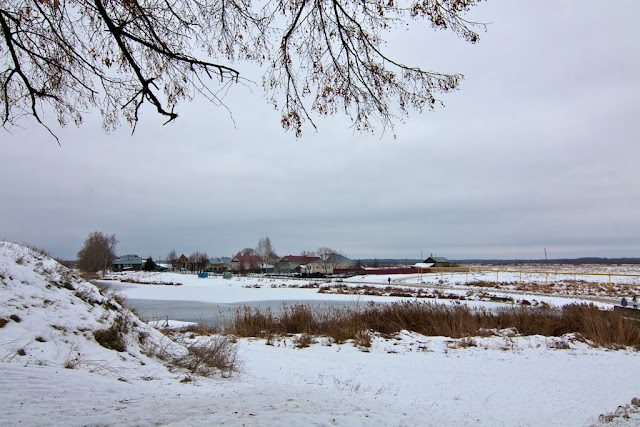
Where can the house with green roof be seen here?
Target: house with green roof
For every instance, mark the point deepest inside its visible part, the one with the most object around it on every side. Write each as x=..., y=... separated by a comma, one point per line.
x=218, y=265
x=127, y=262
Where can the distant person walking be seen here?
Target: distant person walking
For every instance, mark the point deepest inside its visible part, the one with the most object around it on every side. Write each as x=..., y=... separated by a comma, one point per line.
x=634, y=301
x=389, y=279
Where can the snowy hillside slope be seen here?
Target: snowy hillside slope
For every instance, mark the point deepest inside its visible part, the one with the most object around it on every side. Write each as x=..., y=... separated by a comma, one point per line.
x=50, y=317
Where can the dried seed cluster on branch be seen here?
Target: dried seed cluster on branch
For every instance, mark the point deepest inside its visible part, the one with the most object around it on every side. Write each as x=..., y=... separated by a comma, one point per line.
x=323, y=56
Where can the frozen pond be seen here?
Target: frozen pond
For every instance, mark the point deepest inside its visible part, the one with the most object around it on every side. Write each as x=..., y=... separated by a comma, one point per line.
x=211, y=313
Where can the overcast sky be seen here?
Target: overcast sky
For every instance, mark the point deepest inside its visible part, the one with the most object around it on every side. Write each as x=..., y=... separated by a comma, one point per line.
x=540, y=148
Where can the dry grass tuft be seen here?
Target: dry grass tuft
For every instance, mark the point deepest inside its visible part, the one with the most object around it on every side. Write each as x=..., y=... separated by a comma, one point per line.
x=362, y=340
x=303, y=341
x=114, y=337
x=201, y=329
x=206, y=357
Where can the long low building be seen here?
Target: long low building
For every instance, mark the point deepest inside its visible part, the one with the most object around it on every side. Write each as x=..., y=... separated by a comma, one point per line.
x=127, y=262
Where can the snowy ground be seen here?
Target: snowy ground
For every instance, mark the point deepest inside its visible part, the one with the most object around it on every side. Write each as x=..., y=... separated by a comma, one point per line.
x=409, y=380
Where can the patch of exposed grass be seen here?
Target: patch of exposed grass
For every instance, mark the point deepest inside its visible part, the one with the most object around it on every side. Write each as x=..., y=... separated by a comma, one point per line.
x=15, y=318
x=87, y=296
x=90, y=276
x=558, y=344
x=129, y=280
x=113, y=337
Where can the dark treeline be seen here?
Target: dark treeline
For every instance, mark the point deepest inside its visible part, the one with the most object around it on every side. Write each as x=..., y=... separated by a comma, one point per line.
x=383, y=262
x=585, y=260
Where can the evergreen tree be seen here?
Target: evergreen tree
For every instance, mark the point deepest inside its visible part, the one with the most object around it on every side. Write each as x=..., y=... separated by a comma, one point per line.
x=149, y=265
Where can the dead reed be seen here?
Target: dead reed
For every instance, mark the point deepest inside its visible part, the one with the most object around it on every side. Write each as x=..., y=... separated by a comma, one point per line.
x=600, y=327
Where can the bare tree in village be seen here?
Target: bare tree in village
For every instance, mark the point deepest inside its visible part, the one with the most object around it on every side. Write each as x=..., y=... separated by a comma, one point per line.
x=247, y=252
x=172, y=258
x=198, y=261
x=329, y=258
x=97, y=253
x=265, y=250
x=320, y=57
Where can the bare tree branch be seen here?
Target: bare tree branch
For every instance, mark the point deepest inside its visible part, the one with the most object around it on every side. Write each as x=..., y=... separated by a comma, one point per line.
x=324, y=56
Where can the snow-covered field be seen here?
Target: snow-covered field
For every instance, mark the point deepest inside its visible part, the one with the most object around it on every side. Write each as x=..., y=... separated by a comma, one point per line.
x=53, y=372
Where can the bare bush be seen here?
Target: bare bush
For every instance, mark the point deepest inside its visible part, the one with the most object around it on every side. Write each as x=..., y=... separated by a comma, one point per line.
x=209, y=356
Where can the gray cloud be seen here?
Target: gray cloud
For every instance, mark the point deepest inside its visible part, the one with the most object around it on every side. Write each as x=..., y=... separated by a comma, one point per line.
x=538, y=149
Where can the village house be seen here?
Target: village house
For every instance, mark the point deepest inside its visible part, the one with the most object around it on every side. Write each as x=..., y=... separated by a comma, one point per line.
x=183, y=263
x=326, y=264
x=218, y=265
x=438, y=261
x=127, y=262
x=248, y=263
x=292, y=263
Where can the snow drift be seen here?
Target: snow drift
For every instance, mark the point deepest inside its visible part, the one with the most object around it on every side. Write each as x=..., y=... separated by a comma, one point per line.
x=54, y=318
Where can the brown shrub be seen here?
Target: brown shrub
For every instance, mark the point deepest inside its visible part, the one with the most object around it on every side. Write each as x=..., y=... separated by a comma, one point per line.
x=209, y=356
x=303, y=340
